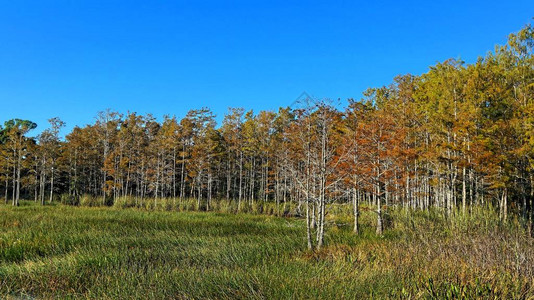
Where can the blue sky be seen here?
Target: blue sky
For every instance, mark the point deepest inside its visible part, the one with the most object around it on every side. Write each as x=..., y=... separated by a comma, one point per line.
x=74, y=58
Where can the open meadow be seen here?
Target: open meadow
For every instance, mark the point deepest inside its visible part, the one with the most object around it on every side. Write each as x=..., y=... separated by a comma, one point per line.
x=61, y=251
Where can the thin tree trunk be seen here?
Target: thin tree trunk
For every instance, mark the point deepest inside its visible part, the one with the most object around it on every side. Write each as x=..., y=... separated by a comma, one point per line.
x=379, y=225
x=14, y=179
x=51, y=186
x=464, y=191
x=7, y=187
x=182, y=178
x=19, y=166
x=356, y=211
x=504, y=204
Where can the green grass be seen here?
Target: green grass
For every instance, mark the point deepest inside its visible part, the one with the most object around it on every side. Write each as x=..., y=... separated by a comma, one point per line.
x=96, y=252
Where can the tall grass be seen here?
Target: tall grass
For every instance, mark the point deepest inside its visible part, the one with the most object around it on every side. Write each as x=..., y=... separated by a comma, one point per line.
x=110, y=253
x=216, y=205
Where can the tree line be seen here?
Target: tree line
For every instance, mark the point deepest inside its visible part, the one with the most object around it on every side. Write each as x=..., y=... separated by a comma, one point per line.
x=459, y=136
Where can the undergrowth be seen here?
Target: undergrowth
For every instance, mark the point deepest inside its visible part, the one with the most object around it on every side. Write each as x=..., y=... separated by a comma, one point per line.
x=62, y=251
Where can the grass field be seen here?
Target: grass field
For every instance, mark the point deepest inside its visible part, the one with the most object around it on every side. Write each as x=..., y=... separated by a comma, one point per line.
x=76, y=252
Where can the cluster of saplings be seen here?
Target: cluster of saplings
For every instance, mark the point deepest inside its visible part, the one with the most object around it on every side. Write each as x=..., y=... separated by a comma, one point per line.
x=459, y=136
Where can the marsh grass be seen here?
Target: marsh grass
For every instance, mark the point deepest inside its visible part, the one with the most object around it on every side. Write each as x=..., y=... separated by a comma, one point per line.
x=219, y=205
x=63, y=251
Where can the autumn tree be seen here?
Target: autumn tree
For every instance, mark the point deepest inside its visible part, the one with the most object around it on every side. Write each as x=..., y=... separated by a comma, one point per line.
x=17, y=143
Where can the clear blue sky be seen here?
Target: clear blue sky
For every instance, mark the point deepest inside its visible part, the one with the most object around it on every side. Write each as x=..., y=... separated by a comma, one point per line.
x=74, y=58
